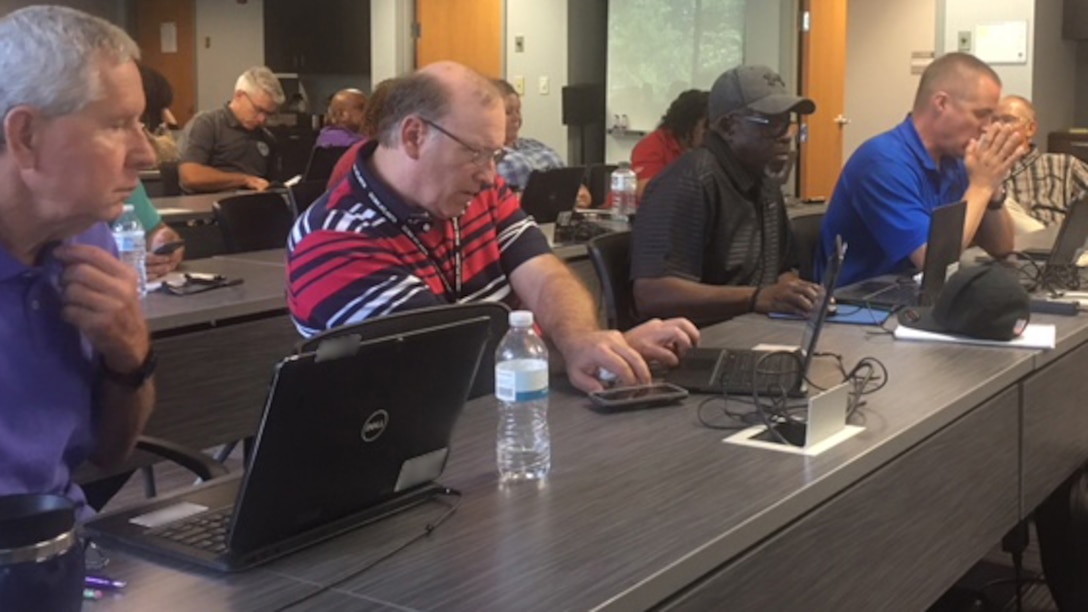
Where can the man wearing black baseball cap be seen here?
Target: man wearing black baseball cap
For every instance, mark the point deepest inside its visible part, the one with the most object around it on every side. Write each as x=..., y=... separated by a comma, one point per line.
x=711, y=239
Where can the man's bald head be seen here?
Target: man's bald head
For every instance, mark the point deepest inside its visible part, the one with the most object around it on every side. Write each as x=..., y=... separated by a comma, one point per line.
x=347, y=109
x=433, y=92
x=956, y=74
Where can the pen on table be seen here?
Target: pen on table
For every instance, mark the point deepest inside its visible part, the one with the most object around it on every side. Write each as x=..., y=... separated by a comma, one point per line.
x=102, y=582
x=92, y=594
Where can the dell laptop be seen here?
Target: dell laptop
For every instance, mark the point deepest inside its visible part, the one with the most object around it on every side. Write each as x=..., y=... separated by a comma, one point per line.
x=348, y=436
x=943, y=250
x=550, y=192
x=744, y=371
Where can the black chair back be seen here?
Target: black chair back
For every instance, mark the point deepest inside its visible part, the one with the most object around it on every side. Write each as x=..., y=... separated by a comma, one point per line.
x=304, y=193
x=598, y=177
x=806, y=237
x=322, y=161
x=254, y=221
x=168, y=176
x=400, y=322
x=611, y=257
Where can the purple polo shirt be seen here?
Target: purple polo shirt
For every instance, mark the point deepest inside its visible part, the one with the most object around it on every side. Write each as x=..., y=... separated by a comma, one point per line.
x=48, y=412
x=336, y=136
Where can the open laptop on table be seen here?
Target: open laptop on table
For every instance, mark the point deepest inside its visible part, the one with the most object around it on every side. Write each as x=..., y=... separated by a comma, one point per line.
x=322, y=161
x=1061, y=260
x=349, y=435
x=735, y=371
x=550, y=192
x=943, y=250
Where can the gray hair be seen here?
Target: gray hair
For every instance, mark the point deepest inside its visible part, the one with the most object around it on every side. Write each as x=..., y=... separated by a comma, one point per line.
x=50, y=58
x=260, y=79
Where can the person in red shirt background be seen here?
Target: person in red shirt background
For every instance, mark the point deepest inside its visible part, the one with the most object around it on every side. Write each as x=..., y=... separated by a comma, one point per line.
x=681, y=128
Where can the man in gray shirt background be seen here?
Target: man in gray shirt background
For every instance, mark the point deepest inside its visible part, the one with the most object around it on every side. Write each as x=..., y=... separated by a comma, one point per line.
x=229, y=147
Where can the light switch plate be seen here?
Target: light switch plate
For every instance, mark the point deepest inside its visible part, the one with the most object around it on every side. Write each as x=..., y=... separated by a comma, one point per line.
x=519, y=85
x=543, y=85
x=519, y=43
x=963, y=41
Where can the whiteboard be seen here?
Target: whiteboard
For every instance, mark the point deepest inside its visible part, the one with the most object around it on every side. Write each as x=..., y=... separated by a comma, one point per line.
x=1002, y=43
x=660, y=48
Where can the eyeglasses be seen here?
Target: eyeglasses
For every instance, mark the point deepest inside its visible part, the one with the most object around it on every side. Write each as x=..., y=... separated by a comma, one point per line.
x=481, y=157
x=1009, y=119
x=198, y=282
x=774, y=126
x=260, y=111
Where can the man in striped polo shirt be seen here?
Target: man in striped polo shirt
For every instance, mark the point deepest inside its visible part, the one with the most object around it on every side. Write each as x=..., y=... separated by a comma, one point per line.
x=423, y=219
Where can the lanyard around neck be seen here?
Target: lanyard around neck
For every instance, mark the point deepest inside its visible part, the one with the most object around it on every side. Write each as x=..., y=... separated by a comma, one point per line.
x=453, y=291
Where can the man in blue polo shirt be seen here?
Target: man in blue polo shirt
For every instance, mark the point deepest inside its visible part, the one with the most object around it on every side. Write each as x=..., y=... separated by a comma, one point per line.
x=947, y=150
x=75, y=355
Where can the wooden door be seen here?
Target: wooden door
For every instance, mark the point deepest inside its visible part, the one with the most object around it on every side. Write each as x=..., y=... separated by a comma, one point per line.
x=179, y=67
x=823, y=79
x=466, y=31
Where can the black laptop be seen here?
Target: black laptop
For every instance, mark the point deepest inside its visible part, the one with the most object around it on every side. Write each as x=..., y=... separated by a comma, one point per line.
x=550, y=192
x=1061, y=260
x=943, y=249
x=349, y=435
x=740, y=371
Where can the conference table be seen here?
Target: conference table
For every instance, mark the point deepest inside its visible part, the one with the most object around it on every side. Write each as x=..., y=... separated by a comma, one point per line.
x=649, y=509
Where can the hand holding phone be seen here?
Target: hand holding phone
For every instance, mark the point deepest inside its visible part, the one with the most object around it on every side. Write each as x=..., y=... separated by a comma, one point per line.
x=638, y=396
x=168, y=248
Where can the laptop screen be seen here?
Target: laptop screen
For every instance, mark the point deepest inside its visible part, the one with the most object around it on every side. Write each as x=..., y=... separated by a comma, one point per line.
x=1071, y=237
x=816, y=320
x=942, y=250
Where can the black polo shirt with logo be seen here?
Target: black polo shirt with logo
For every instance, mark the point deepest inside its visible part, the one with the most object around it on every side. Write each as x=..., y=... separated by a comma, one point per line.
x=707, y=219
x=215, y=138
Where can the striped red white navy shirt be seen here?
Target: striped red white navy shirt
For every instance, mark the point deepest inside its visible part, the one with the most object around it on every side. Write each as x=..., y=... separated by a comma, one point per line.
x=348, y=261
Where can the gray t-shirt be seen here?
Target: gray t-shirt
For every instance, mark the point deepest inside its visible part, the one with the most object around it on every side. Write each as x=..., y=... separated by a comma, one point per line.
x=215, y=138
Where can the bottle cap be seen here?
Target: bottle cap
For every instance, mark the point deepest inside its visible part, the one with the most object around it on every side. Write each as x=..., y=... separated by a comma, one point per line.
x=129, y=208
x=623, y=164
x=521, y=318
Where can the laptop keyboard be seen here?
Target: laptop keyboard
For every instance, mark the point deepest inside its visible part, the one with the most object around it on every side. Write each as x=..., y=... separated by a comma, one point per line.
x=207, y=531
x=777, y=373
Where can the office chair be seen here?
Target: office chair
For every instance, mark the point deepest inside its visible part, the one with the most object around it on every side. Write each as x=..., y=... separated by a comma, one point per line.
x=806, y=237
x=322, y=161
x=304, y=193
x=611, y=257
x=400, y=322
x=99, y=491
x=254, y=221
x=168, y=176
x=598, y=177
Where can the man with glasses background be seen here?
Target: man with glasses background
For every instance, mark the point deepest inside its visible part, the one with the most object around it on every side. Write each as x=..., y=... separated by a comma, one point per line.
x=947, y=149
x=711, y=239
x=423, y=219
x=229, y=147
x=1043, y=185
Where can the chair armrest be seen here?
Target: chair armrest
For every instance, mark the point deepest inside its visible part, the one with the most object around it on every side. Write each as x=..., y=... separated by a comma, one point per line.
x=203, y=466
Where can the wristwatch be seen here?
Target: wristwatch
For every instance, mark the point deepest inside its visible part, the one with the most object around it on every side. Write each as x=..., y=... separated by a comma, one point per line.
x=136, y=378
x=997, y=200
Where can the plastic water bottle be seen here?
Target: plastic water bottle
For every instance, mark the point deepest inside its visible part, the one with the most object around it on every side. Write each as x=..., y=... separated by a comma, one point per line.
x=128, y=233
x=524, y=447
x=621, y=193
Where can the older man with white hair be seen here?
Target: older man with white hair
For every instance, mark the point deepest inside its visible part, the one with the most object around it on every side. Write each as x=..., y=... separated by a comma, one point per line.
x=229, y=147
x=75, y=355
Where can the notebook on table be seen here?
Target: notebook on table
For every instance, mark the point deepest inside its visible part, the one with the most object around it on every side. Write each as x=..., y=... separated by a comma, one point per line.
x=943, y=248
x=740, y=371
x=550, y=192
x=347, y=436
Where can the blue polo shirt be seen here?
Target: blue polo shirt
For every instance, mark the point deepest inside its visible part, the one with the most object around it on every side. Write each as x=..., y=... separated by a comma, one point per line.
x=48, y=369
x=883, y=202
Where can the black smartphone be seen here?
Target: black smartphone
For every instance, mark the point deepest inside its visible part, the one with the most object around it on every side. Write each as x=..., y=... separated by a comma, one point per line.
x=636, y=396
x=169, y=247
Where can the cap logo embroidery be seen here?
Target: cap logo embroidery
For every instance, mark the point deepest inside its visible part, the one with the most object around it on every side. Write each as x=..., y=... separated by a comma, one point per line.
x=773, y=79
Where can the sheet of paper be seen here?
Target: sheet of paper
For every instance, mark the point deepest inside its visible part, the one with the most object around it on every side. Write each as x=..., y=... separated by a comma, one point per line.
x=1035, y=336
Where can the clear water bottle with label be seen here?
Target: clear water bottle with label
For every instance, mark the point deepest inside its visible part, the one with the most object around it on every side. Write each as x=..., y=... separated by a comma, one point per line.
x=622, y=191
x=524, y=449
x=128, y=233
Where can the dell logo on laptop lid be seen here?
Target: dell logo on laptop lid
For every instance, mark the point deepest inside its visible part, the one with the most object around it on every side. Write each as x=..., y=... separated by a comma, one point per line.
x=375, y=425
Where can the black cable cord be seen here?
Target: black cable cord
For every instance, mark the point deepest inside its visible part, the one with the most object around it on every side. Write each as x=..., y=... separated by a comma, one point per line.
x=427, y=529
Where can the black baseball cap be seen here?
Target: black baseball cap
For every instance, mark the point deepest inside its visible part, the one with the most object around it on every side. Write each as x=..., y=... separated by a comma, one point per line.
x=756, y=88
x=983, y=302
